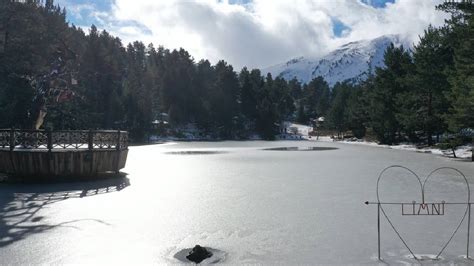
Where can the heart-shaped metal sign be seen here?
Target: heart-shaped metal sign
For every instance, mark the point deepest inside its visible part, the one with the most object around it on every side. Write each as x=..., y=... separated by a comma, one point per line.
x=422, y=207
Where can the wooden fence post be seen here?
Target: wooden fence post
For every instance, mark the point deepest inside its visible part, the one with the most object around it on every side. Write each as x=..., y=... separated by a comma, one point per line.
x=90, y=140
x=117, y=147
x=90, y=146
x=12, y=139
x=12, y=146
x=49, y=135
x=118, y=152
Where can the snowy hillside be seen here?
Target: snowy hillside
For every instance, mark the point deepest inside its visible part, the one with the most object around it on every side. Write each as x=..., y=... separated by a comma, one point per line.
x=352, y=61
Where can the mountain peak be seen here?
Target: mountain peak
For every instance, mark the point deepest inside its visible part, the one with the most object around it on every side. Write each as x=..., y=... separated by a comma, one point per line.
x=350, y=62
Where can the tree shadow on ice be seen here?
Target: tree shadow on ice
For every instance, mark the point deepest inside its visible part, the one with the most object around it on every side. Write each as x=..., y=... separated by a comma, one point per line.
x=20, y=205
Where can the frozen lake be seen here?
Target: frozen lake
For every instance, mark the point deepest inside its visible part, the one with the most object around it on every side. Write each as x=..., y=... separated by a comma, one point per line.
x=259, y=206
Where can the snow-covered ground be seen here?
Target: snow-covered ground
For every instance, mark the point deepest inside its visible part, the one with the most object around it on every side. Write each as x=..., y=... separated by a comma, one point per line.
x=462, y=152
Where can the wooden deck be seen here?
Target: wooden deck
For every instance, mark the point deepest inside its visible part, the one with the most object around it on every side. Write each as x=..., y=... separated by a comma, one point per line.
x=37, y=153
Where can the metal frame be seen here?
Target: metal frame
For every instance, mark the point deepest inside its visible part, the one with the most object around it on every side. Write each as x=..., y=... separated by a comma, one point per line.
x=380, y=209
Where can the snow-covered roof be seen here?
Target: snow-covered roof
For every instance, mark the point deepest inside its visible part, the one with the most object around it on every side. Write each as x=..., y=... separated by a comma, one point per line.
x=155, y=122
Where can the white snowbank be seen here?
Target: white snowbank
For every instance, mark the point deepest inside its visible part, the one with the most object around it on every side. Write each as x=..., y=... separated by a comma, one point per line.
x=463, y=152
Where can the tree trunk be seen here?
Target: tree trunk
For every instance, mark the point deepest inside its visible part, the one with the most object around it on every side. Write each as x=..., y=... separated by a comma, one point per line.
x=430, y=115
x=3, y=38
x=430, y=138
x=40, y=119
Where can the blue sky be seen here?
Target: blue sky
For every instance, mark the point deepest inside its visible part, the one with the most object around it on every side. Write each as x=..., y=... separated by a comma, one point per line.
x=339, y=28
x=254, y=33
x=378, y=3
x=80, y=12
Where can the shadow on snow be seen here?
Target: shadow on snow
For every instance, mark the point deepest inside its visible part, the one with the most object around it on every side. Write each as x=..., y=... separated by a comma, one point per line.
x=20, y=204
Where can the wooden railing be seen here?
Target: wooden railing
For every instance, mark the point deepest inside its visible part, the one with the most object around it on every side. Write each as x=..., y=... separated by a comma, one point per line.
x=14, y=139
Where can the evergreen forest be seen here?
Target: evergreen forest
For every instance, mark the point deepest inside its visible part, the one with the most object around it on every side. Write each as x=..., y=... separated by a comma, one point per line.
x=53, y=75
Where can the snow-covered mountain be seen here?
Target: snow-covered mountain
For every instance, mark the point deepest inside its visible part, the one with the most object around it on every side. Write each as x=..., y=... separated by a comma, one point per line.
x=351, y=61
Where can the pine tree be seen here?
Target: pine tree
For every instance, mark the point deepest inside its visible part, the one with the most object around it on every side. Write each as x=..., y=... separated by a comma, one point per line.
x=338, y=115
x=267, y=115
x=248, y=101
x=316, y=98
x=301, y=116
x=461, y=78
x=224, y=103
x=283, y=100
x=424, y=104
x=357, y=109
x=178, y=87
x=388, y=86
x=295, y=89
x=203, y=81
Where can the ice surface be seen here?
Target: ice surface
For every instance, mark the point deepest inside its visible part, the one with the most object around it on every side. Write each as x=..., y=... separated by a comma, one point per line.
x=256, y=206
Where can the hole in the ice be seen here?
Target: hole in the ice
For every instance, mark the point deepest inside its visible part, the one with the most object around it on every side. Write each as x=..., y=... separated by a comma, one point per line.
x=217, y=256
x=300, y=149
x=196, y=152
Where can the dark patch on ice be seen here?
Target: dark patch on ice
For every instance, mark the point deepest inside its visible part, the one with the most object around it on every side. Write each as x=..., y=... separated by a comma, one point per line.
x=37, y=219
x=218, y=256
x=193, y=152
x=198, y=254
x=301, y=149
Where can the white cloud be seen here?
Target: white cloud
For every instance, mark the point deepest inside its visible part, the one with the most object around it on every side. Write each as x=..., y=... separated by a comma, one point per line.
x=263, y=32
